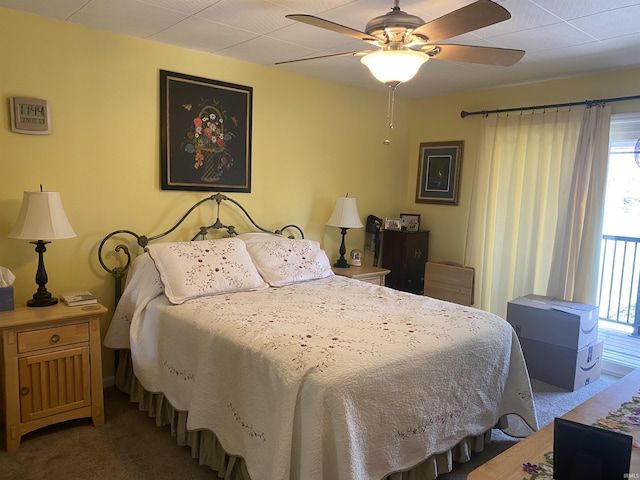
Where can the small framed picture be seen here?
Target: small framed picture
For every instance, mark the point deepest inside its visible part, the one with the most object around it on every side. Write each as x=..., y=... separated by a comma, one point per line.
x=439, y=167
x=30, y=115
x=410, y=222
x=393, y=223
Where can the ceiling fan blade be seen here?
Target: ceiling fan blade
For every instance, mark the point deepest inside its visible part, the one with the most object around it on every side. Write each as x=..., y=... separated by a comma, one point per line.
x=345, y=54
x=334, y=27
x=472, y=54
x=466, y=19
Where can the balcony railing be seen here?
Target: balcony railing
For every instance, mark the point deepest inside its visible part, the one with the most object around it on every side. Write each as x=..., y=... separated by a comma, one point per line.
x=619, y=294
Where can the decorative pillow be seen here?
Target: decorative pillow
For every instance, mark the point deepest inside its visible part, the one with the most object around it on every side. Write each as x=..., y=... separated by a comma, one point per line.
x=286, y=261
x=260, y=237
x=207, y=267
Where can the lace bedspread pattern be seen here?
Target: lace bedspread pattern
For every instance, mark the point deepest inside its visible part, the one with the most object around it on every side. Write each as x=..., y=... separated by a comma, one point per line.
x=332, y=378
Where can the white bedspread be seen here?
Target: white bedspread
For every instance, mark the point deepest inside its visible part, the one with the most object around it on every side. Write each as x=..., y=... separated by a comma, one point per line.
x=328, y=379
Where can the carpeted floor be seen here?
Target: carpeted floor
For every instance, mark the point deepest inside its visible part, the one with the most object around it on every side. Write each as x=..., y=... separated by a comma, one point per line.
x=129, y=446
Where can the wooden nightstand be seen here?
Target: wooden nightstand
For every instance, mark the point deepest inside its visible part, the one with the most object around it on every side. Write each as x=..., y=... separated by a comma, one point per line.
x=51, y=367
x=365, y=273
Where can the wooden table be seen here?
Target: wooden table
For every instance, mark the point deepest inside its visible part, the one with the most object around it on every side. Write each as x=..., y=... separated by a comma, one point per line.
x=508, y=465
x=365, y=273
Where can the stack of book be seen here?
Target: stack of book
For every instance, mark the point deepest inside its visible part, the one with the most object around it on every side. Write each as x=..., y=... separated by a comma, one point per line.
x=74, y=299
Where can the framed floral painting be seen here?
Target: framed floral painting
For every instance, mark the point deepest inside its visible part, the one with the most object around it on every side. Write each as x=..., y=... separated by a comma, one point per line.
x=205, y=134
x=439, y=166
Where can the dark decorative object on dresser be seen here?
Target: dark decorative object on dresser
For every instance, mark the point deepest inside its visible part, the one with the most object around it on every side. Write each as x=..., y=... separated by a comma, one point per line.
x=405, y=253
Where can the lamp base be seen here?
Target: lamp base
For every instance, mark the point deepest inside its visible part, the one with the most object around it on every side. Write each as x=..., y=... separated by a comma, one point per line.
x=42, y=301
x=342, y=263
x=41, y=298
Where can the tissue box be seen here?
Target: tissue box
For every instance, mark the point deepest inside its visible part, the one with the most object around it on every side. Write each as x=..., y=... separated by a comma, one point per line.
x=6, y=298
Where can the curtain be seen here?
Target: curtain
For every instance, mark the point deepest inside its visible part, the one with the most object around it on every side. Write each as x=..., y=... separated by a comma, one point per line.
x=515, y=202
x=576, y=254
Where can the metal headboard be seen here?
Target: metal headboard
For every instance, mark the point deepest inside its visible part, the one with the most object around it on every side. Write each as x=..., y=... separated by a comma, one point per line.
x=143, y=240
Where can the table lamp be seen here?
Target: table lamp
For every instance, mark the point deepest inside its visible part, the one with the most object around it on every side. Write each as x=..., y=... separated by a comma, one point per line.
x=42, y=219
x=344, y=216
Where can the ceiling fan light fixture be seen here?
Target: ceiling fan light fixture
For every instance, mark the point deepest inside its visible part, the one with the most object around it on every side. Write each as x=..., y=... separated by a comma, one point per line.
x=394, y=66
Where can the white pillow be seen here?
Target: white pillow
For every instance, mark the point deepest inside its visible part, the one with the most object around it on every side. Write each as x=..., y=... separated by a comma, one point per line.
x=259, y=237
x=286, y=261
x=207, y=267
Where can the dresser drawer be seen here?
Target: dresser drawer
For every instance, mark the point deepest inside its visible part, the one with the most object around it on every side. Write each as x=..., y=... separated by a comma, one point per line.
x=52, y=337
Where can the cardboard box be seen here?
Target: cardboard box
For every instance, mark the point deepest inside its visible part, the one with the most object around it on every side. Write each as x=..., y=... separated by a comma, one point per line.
x=562, y=367
x=6, y=298
x=557, y=322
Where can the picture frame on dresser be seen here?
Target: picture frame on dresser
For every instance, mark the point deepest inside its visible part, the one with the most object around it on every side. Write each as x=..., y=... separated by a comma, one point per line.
x=393, y=223
x=410, y=222
x=205, y=134
x=439, y=168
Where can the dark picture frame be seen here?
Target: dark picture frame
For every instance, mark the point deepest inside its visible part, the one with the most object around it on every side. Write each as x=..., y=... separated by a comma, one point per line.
x=439, y=167
x=410, y=222
x=205, y=134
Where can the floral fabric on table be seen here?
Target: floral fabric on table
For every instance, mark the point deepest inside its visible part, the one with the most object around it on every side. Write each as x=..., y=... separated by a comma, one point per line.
x=626, y=419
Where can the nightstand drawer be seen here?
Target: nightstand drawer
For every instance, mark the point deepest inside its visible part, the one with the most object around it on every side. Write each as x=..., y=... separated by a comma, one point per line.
x=52, y=337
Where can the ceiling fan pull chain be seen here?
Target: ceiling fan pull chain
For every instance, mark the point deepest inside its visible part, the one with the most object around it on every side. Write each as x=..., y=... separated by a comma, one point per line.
x=392, y=94
x=392, y=97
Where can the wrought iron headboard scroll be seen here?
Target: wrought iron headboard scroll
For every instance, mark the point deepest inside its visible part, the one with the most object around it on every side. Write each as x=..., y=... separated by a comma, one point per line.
x=143, y=240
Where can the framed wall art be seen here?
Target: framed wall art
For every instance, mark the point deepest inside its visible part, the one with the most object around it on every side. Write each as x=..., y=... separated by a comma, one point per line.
x=205, y=134
x=30, y=115
x=439, y=166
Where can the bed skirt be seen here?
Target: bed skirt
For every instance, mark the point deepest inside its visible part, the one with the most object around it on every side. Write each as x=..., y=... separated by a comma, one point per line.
x=206, y=448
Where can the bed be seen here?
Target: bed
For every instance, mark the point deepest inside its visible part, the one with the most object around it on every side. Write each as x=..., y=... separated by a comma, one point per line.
x=271, y=367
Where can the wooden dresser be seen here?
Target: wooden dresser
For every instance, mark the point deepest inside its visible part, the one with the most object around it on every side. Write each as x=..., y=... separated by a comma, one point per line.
x=405, y=253
x=51, y=367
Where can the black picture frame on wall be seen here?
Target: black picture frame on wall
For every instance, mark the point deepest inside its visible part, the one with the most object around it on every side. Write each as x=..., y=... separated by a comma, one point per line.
x=439, y=166
x=205, y=134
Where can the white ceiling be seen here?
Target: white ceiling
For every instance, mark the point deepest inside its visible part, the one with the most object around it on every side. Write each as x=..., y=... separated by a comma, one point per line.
x=562, y=38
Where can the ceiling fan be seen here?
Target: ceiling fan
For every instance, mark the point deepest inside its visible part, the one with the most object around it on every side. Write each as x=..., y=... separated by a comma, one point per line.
x=404, y=42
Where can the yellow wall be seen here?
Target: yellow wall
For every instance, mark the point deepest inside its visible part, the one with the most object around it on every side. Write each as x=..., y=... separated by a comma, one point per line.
x=312, y=141
x=440, y=120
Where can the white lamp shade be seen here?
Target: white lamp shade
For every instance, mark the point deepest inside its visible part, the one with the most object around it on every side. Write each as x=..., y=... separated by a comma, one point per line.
x=345, y=214
x=42, y=217
x=394, y=66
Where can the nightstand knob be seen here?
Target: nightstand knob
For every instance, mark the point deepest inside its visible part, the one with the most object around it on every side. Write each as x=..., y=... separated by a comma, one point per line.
x=55, y=338
x=24, y=391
